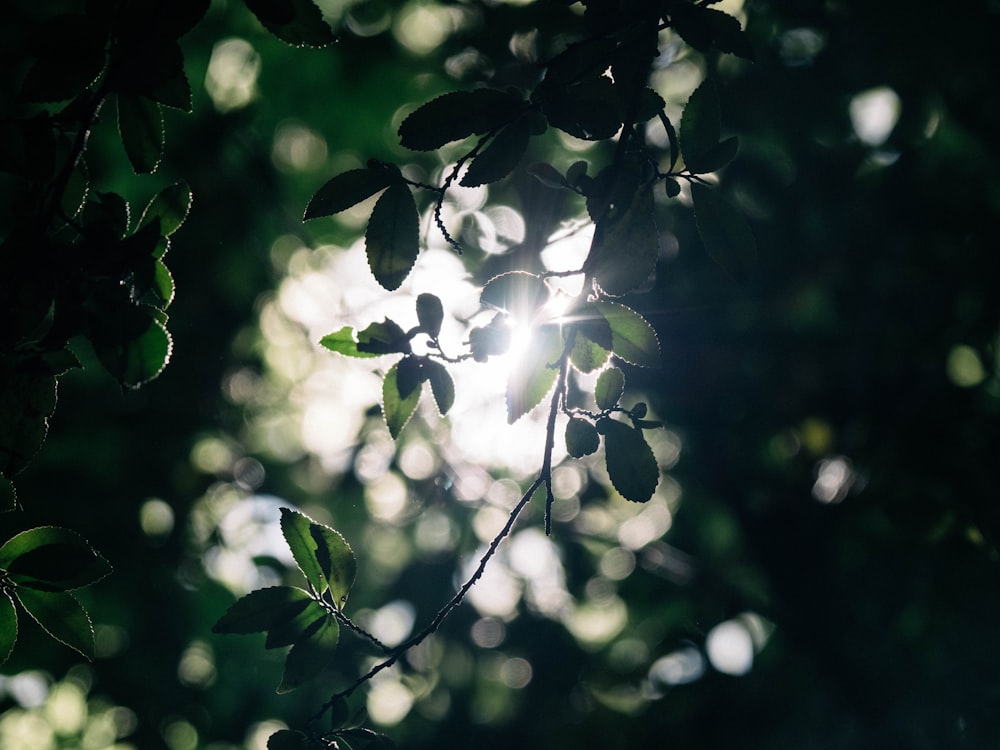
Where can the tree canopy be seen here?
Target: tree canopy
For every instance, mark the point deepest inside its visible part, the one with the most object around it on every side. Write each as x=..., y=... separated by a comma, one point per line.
x=704, y=300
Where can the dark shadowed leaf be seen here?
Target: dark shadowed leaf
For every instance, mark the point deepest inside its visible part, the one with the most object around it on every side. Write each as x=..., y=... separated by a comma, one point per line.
x=626, y=246
x=51, y=558
x=609, y=388
x=517, y=293
x=289, y=739
x=348, y=189
x=396, y=409
x=359, y=738
x=310, y=655
x=633, y=338
x=61, y=616
x=588, y=110
x=69, y=52
x=263, y=609
x=532, y=377
x=581, y=438
x=392, y=236
x=171, y=206
x=548, y=175
x=727, y=35
x=500, y=157
x=701, y=125
x=336, y=560
x=383, y=338
x=8, y=626
x=457, y=115
x=141, y=359
x=724, y=232
x=430, y=314
x=297, y=22
x=409, y=375
x=27, y=399
x=442, y=386
x=631, y=464
x=140, y=125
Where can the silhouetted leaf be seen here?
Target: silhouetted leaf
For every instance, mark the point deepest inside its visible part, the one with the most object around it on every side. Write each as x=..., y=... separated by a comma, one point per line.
x=140, y=125
x=692, y=23
x=548, y=175
x=409, y=375
x=310, y=655
x=383, y=338
x=171, y=206
x=633, y=338
x=69, y=52
x=392, y=236
x=27, y=399
x=442, y=386
x=396, y=409
x=8, y=626
x=61, y=616
x=724, y=232
x=492, y=339
x=344, y=342
x=502, y=154
x=289, y=739
x=701, y=126
x=348, y=189
x=580, y=60
x=139, y=360
x=626, y=246
x=727, y=35
x=359, y=738
x=517, y=293
x=532, y=377
x=262, y=609
x=163, y=284
x=581, y=438
x=297, y=22
x=609, y=388
x=51, y=558
x=587, y=110
x=430, y=314
x=457, y=115
x=631, y=465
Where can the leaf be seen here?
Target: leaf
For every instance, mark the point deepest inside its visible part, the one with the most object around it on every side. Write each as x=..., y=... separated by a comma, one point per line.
x=69, y=51
x=392, y=236
x=517, y=293
x=51, y=558
x=139, y=360
x=581, y=438
x=500, y=157
x=727, y=35
x=430, y=314
x=725, y=233
x=297, y=22
x=442, y=386
x=310, y=655
x=360, y=738
x=383, y=338
x=289, y=739
x=8, y=626
x=532, y=377
x=171, y=206
x=633, y=338
x=61, y=616
x=27, y=399
x=295, y=529
x=140, y=125
x=408, y=375
x=630, y=461
x=626, y=246
x=609, y=388
x=701, y=127
x=588, y=109
x=548, y=175
x=349, y=189
x=262, y=609
x=457, y=115
x=395, y=409
x=163, y=284
x=336, y=560
x=587, y=355
x=286, y=631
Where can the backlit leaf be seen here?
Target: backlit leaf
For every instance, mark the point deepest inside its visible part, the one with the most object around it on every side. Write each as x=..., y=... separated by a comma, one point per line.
x=609, y=388
x=347, y=190
x=27, y=399
x=442, y=386
x=171, y=206
x=500, y=157
x=262, y=609
x=336, y=560
x=430, y=314
x=517, y=293
x=532, y=377
x=633, y=338
x=300, y=624
x=383, y=338
x=457, y=115
x=396, y=409
x=8, y=626
x=61, y=616
x=296, y=22
x=310, y=655
x=51, y=558
x=295, y=527
x=343, y=342
x=724, y=231
x=701, y=125
x=140, y=125
x=392, y=236
x=289, y=739
x=630, y=461
x=626, y=246
x=581, y=438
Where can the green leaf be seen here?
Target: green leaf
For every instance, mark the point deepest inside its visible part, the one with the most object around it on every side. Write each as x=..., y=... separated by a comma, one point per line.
x=442, y=386
x=633, y=338
x=295, y=529
x=296, y=22
x=171, y=206
x=630, y=461
x=289, y=739
x=349, y=189
x=626, y=246
x=303, y=622
x=310, y=655
x=140, y=125
x=587, y=355
x=51, y=558
x=392, y=236
x=457, y=115
x=383, y=338
x=163, y=284
x=141, y=359
x=500, y=157
x=8, y=626
x=396, y=409
x=61, y=616
x=517, y=293
x=701, y=126
x=609, y=388
x=344, y=342
x=430, y=314
x=263, y=609
x=725, y=233
x=336, y=560
x=581, y=438
x=532, y=377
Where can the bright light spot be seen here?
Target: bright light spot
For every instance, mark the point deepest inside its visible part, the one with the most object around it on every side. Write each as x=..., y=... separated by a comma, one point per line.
x=231, y=79
x=197, y=665
x=617, y=563
x=874, y=113
x=535, y=558
x=212, y=456
x=258, y=734
x=388, y=701
x=248, y=528
x=497, y=593
x=248, y=473
x=800, y=46
x=298, y=148
x=652, y=522
x=66, y=707
x=417, y=461
x=434, y=532
x=964, y=367
x=392, y=623
x=156, y=518
x=834, y=479
x=730, y=647
x=385, y=497
x=595, y=623
x=180, y=735
x=515, y=673
x=488, y=632
x=422, y=28
x=677, y=668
